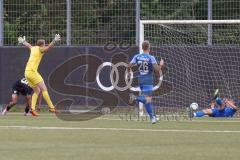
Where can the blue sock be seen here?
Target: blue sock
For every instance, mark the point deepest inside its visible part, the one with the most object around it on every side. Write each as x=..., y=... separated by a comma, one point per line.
x=148, y=107
x=141, y=99
x=199, y=113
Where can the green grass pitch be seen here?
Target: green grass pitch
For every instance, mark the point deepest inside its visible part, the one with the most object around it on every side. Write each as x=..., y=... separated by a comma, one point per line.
x=48, y=138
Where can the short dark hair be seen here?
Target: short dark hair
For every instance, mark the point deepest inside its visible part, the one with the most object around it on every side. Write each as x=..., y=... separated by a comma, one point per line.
x=40, y=42
x=145, y=45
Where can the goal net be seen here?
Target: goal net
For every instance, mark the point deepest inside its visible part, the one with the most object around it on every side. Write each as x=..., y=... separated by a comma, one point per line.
x=200, y=56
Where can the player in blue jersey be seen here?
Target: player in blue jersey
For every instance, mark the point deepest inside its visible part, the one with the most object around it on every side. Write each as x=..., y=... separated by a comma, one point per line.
x=219, y=108
x=147, y=64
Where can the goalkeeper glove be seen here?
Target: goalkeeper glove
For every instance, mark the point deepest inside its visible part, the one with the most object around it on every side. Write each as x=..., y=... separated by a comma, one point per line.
x=216, y=94
x=57, y=38
x=21, y=40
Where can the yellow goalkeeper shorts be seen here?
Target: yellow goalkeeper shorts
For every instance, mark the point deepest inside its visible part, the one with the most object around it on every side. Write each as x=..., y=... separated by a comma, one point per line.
x=33, y=78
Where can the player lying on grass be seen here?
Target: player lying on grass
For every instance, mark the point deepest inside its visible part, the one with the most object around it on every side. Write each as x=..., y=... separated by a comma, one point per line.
x=146, y=65
x=219, y=108
x=31, y=72
x=20, y=87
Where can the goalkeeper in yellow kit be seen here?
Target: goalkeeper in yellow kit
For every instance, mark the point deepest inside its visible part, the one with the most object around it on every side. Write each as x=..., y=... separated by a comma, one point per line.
x=34, y=79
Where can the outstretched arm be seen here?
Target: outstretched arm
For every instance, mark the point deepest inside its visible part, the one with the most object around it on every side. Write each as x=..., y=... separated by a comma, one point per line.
x=158, y=67
x=56, y=39
x=231, y=103
x=45, y=49
x=22, y=40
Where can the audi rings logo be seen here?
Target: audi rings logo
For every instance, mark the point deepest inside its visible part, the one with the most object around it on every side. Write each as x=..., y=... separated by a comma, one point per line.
x=114, y=83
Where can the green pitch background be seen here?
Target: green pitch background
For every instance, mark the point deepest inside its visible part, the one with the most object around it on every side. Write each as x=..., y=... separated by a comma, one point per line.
x=95, y=139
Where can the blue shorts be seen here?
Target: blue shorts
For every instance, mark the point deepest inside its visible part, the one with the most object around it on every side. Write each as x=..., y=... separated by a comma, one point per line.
x=226, y=112
x=146, y=90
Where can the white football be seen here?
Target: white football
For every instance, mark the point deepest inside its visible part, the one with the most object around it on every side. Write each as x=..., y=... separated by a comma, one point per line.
x=194, y=106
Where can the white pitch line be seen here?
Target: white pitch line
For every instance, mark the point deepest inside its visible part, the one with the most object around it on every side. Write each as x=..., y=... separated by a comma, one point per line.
x=161, y=121
x=195, y=120
x=117, y=129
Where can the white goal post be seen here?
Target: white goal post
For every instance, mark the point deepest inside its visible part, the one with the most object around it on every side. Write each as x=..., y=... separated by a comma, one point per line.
x=173, y=38
x=208, y=22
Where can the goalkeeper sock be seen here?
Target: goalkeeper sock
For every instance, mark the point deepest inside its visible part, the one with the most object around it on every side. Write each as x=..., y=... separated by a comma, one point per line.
x=47, y=98
x=34, y=100
x=141, y=99
x=149, y=110
x=199, y=114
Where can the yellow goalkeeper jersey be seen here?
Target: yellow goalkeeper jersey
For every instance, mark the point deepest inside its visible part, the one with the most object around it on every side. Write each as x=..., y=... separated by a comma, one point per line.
x=34, y=59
